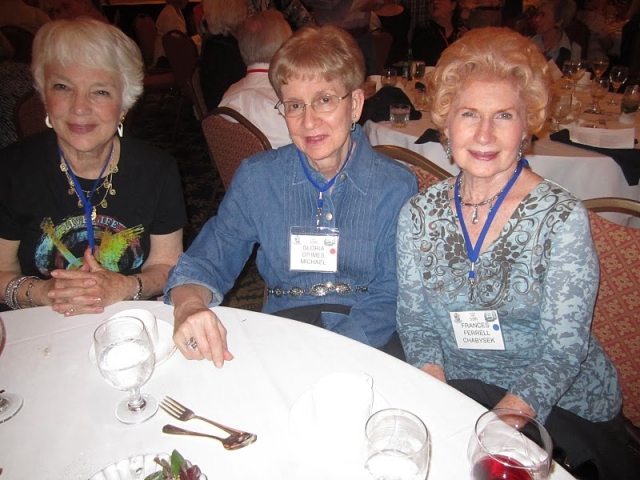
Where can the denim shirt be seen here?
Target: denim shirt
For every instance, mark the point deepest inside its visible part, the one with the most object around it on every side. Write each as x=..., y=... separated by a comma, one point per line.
x=270, y=194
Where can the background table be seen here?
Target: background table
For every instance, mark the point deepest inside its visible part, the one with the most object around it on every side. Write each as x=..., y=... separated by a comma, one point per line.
x=584, y=173
x=67, y=428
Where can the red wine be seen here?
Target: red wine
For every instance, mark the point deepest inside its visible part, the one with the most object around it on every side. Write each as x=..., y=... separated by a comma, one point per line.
x=489, y=468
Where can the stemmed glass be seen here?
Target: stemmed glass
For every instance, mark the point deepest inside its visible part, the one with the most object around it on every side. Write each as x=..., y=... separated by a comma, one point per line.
x=599, y=66
x=561, y=106
x=617, y=76
x=10, y=403
x=579, y=70
x=417, y=70
x=125, y=358
x=598, y=90
x=569, y=70
x=509, y=444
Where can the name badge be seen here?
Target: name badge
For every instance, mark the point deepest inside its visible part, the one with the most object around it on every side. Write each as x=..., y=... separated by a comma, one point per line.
x=477, y=330
x=313, y=250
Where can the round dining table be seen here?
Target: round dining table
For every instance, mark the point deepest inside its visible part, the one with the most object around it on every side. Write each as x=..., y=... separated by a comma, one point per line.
x=67, y=428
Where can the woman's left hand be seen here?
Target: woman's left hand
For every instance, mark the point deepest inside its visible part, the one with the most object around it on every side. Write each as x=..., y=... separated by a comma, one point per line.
x=89, y=289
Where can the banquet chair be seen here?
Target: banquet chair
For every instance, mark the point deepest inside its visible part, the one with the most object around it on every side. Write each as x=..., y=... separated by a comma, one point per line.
x=382, y=45
x=427, y=172
x=616, y=317
x=155, y=79
x=29, y=114
x=21, y=40
x=199, y=104
x=182, y=55
x=230, y=142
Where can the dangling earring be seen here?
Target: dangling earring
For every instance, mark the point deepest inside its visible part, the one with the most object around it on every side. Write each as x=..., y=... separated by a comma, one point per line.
x=120, y=128
x=47, y=122
x=447, y=151
x=353, y=124
x=520, y=151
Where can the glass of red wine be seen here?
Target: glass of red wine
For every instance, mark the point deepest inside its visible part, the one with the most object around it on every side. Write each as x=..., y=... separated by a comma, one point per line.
x=509, y=445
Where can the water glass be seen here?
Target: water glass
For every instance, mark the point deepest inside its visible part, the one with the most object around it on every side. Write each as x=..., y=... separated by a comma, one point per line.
x=125, y=358
x=398, y=446
x=598, y=90
x=630, y=104
x=10, y=403
x=399, y=115
x=511, y=445
x=389, y=77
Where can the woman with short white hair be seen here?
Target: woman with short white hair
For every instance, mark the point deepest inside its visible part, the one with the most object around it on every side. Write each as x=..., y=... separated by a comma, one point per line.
x=87, y=217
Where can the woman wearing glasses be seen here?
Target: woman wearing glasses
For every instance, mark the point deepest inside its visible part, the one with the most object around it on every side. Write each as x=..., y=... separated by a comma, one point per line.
x=323, y=211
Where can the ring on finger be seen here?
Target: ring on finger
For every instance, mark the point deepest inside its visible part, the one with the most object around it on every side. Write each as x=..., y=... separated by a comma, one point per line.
x=69, y=312
x=191, y=344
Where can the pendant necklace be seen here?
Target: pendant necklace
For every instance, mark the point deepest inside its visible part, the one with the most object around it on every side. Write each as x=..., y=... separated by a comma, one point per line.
x=88, y=194
x=474, y=214
x=473, y=251
x=84, y=201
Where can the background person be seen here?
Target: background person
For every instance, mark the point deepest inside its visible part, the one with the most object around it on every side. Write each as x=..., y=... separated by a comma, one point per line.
x=550, y=21
x=87, y=218
x=322, y=210
x=170, y=18
x=221, y=62
x=511, y=254
x=440, y=31
x=253, y=96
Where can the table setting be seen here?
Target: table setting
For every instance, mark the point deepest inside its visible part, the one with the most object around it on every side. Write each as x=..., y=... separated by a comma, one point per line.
x=296, y=402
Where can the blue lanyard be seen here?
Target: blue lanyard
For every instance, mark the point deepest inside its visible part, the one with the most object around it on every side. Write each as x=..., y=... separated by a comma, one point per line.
x=327, y=186
x=86, y=200
x=474, y=251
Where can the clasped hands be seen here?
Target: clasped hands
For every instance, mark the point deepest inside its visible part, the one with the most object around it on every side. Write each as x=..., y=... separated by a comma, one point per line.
x=86, y=290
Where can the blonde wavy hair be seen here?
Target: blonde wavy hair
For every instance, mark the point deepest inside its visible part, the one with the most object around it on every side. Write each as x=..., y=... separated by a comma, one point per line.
x=493, y=54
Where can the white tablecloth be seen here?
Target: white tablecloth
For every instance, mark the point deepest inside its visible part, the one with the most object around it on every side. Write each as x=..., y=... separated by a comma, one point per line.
x=67, y=428
x=584, y=173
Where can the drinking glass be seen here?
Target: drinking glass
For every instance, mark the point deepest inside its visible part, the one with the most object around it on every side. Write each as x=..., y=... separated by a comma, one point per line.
x=417, y=70
x=598, y=91
x=600, y=66
x=399, y=114
x=389, y=77
x=398, y=446
x=509, y=445
x=630, y=104
x=125, y=358
x=579, y=70
x=617, y=76
x=10, y=403
x=569, y=70
x=560, y=106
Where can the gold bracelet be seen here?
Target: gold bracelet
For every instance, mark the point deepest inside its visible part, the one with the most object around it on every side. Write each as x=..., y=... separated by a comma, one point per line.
x=138, y=294
x=29, y=289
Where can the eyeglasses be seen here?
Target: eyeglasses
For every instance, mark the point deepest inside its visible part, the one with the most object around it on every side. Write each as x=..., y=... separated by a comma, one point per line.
x=321, y=104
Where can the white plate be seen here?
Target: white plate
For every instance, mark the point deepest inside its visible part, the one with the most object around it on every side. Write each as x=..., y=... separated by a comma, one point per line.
x=165, y=349
x=133, y=468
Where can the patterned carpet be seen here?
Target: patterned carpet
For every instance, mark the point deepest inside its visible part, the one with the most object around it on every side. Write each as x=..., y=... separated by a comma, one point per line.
x=156, y=121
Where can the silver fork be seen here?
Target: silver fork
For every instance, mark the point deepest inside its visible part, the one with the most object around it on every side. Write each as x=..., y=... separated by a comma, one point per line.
x=184, y=414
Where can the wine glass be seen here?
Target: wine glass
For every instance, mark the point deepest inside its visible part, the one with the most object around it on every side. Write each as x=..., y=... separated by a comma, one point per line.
x=617, y=76
x=125, y=358
x=600, y=66
x=598, y=90
x=560, y=106
x=10, y=403
x=569, y=70
x=509, y=444
x=579, y=70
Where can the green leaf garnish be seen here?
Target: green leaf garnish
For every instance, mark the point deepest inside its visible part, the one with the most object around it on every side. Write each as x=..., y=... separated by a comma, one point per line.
x=176, y=463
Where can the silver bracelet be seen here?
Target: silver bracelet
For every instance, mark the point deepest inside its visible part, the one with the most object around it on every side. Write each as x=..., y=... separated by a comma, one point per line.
x=138, y=294
x=11, y=292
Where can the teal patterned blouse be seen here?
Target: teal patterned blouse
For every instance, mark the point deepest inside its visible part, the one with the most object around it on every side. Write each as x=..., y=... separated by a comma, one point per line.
x=540, y=275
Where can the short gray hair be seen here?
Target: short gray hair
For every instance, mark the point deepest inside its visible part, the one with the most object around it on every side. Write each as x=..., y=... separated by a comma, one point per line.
x=224, y=16
x=261, y=36
x=92, y=44
x=562, y=10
